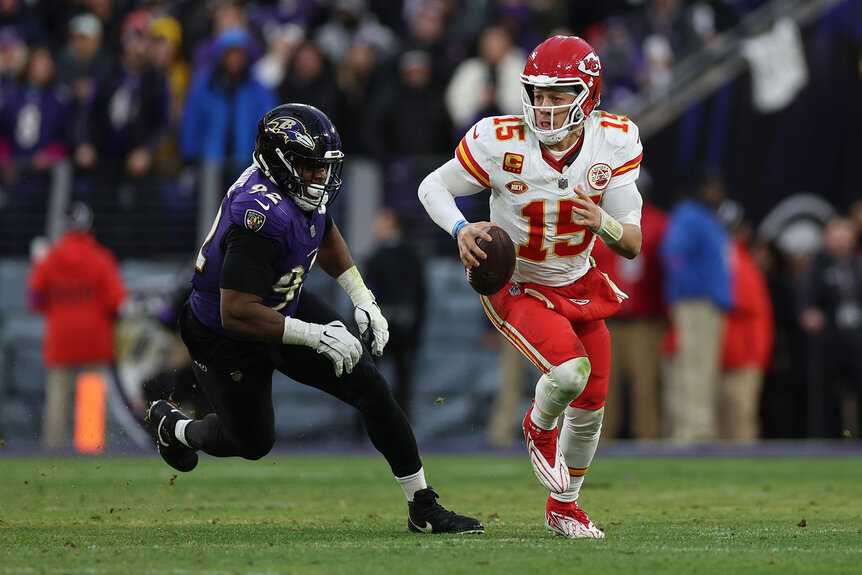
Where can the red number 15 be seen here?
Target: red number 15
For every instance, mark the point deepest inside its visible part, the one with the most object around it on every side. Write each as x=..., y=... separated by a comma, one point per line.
x=535, y=250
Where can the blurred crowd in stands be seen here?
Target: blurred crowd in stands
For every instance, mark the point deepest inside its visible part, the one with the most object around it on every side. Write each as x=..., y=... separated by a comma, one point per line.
x=136, y=96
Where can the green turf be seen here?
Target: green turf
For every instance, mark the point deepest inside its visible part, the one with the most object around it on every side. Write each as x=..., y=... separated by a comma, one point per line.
x=345, y=514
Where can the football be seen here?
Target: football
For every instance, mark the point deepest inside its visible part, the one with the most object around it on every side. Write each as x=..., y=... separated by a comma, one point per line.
x=494, y=271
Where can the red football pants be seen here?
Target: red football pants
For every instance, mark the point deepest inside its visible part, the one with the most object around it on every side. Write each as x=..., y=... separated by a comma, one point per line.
x=553, y=325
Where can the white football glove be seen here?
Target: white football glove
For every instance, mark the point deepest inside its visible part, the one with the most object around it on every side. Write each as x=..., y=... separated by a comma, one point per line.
x=340, y=346
x=332, y=340
x=373, y=327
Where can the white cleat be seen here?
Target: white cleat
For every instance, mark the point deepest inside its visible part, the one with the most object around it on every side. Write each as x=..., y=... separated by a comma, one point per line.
x=548, y=462
x=569, y=520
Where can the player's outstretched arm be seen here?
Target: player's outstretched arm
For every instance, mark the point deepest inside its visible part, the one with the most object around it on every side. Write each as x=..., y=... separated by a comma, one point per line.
x=334, y=256
x=438, y=191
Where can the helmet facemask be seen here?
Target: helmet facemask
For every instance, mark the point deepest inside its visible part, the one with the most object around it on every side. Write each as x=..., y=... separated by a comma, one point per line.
x=307, y=193
x=574, y=113
x=287, y=170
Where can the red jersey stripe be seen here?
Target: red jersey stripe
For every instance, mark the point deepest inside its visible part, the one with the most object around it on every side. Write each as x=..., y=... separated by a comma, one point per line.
x=471, y=165
x=628, y=166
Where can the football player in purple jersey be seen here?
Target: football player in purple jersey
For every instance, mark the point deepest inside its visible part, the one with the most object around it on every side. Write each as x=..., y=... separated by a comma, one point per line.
x=248, y=316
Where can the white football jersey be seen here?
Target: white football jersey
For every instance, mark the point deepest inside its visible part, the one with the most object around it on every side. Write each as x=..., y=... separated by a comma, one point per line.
x=532, y=192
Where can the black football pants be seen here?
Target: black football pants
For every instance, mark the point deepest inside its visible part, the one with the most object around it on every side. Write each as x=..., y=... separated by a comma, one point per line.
x=239, y=389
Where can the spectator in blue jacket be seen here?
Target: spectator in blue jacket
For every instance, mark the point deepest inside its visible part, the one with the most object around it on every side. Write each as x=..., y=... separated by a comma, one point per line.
x=223, y=106
x=695, y=255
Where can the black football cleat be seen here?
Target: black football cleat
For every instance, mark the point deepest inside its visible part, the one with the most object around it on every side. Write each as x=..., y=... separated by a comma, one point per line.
x=163, y=417
x=425, y=515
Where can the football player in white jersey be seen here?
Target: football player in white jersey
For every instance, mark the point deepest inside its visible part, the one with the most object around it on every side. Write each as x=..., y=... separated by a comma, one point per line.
x=560, y=175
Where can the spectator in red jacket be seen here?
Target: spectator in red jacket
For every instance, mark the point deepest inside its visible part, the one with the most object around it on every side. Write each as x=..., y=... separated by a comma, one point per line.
x=748, y=336
x=78, y=286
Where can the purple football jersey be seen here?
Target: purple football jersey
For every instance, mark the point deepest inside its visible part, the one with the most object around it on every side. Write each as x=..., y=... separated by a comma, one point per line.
x=254, y=203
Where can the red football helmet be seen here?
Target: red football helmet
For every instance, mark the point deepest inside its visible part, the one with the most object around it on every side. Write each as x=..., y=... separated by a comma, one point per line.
x=568, y=64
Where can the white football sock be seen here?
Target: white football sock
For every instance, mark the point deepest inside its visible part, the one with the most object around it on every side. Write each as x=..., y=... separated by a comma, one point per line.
x=542, y=420
x=579, y=439
x=572, y=493
x=180, y=431
x=413, y=483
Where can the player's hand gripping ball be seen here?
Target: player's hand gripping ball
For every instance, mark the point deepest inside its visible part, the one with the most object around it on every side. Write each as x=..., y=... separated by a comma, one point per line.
x=496, y=270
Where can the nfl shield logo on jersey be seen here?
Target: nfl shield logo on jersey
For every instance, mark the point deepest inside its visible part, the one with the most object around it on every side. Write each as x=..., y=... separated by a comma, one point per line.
x=254, y=220
x=563, y=183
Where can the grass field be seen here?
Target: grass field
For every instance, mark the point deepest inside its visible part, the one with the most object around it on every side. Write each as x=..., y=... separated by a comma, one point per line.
x=345, y=514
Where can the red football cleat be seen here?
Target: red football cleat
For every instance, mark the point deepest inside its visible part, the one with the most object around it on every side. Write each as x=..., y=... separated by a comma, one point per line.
x=545, y=455
x=569, y=520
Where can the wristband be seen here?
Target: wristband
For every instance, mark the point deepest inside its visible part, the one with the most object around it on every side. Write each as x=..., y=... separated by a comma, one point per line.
x=351, y=281
x=610, y=230
x=457, y=228
x=297, y=332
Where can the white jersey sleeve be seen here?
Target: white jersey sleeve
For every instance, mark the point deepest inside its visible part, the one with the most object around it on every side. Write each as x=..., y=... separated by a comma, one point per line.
x=621, y=198
x=624, y=204
x=624, y=136
x=473, y=153
x=438, y=191
x=460, y=176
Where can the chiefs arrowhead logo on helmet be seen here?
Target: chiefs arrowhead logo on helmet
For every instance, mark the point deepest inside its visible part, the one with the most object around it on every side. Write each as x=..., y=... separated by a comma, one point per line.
x=591, y=65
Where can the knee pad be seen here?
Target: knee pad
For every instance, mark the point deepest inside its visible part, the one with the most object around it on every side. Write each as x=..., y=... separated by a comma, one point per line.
x=568, y=380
